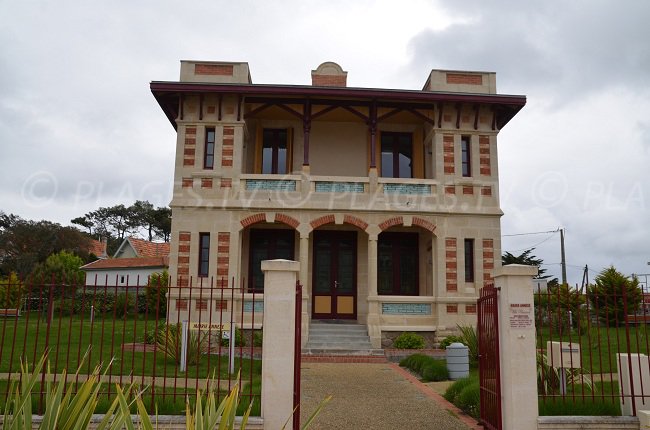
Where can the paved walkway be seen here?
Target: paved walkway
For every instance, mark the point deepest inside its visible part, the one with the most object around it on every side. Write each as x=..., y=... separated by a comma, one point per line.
x=372, y=396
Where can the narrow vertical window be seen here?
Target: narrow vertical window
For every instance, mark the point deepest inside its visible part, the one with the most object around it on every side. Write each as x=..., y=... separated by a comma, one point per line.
x=469, y=260
x=275, y=151
x=208, y=154
x=466, y=151
x=204, y=254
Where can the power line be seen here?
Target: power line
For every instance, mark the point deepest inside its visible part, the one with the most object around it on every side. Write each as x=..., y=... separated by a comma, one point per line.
x=528, y=234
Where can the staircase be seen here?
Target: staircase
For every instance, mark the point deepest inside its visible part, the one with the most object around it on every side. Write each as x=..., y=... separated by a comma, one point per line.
x=334, y=337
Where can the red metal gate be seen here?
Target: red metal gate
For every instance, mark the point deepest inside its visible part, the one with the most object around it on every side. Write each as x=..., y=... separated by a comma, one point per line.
x=488, y=347
x=297, y=357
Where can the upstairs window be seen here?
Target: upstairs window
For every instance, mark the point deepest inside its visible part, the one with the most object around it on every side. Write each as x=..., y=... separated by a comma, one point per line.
x=396, y=155
x=469, y=260
x=275, y=151
x=466, y=151
x=208, y=153
x=204, y=254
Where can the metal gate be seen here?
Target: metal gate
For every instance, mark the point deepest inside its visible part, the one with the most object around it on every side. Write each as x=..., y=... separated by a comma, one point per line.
x=488, y=347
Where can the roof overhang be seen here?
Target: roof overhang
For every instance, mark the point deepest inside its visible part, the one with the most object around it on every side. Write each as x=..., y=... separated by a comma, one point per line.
x=168, y=96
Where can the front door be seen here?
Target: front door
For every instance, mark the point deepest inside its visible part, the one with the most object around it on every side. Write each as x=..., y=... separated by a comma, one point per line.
x=334, y=275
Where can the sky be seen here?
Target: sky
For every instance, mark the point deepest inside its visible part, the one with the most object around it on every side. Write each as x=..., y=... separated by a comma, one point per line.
x=79, y=128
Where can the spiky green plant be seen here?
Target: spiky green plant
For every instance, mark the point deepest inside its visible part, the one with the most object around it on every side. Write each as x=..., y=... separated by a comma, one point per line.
x=469, y=338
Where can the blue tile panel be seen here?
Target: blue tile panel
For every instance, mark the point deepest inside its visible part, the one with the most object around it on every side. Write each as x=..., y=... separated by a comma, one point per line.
x=406, y=308
x=248, y=306
x=407, y=189
x=263, y=184
x=339, y=187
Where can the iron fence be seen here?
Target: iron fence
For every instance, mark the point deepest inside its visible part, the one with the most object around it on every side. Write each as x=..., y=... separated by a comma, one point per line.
x=170, y=339
x=592, y=348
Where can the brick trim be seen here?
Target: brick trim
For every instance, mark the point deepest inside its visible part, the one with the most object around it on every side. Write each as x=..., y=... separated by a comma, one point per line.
x=485, y=168
x=398, y=220
x=448, y=154
x=464, y=78
x=351, y=219
x=214, y=69
x=286, y=219
x=228, y=146
x=253, y=219
x=488, y=261
x=452, y=309
x=223, y=253
x=421, y=222
x=325, y=219
x=451, y=262
x=183, y=258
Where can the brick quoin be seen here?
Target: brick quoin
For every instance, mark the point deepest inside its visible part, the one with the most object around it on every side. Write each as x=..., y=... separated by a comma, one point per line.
x=223, y=237
x=183, y=260
x=446, y=117
x=451, y=264
x=253, y=219
x=448, y=138
x=469, y=190
x=187, y=182
x=420, y=222
x=183, y=282
x=325, y=219
x=188, y=162
x=286, y=219
x=213, y=69
x=398, y=220
x=183, y=248
x=464, y=78
x=189, y=151
x=488, y=260
x=190, y=141
x=452, y=309
x=190, y=130
x=349, y=219
x=223, y=253
x=181, y=304
x=450, y=189
x=228, y=131
x=184, y=236
x=212, y=109
x=226, y=163
x=226, y=183
x=221, y=305
x=486, y=191
x=470, y=309
x=206, y=183
x=185, y=270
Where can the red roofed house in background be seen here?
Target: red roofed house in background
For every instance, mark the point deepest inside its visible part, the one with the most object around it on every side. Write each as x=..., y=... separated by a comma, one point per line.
x=134, y=261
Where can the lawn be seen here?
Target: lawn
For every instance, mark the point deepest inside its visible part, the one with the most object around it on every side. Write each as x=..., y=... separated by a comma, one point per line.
x=599, y=345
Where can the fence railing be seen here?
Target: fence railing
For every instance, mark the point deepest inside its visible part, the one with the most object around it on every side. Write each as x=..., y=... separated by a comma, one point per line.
x=138, y=334
x=592, y=350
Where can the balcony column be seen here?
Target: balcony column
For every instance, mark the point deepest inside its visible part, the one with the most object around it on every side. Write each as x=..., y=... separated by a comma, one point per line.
x=372, y=125
x=303, y=277
x=374, y=328
x=306, y=128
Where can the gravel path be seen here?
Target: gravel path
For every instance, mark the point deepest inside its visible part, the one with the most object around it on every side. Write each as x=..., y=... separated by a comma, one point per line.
x=369, y=396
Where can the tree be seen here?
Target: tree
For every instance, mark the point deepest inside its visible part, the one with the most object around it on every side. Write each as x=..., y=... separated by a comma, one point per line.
x=11, y=292
x=60, y=268
x=25, y=243
x=527, y=258
x=614, y=296
x=156, y=294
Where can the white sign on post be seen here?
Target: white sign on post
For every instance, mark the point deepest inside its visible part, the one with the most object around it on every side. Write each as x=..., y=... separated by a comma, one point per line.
x=520, y=315
x=563, y=354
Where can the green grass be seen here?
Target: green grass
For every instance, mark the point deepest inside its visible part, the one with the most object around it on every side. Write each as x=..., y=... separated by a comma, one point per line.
x=600, y=345
x=70, y=337
x=167, y=400
x=604, y=401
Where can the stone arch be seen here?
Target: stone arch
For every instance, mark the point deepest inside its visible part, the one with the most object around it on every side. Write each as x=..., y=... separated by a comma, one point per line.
x=325, y=219
x=421, y=222
x=358, y=222
x=390, y=222
x=331, y=219
x=253, y=219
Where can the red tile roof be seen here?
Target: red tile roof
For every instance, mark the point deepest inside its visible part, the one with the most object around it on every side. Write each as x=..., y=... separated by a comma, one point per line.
x=126, y=263
x=97, y=247
x=144, y=248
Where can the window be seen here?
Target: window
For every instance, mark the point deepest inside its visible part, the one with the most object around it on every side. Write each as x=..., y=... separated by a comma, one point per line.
x=204, y=254
x=466, y=151
x=275, y=151
x=397, y=264
x=267, y=245
x=208, y=154
x=469, y=260
x=396, y=155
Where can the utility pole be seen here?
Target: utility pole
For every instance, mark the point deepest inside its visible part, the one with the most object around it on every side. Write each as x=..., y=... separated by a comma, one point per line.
x=563, y=256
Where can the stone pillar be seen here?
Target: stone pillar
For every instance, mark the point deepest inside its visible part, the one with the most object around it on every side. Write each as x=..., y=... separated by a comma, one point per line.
x=278, y=342
x=304, y=280
x=517, y=346
x=374, y=330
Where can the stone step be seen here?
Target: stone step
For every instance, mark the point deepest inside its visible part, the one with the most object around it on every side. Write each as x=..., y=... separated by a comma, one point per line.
x=338, y=337
x=344, y=352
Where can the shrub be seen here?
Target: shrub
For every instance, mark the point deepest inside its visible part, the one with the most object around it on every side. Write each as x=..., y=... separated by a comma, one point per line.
x=469, y=400
x=169, y=342
x=435, y=370
x=124, y=304
x=258, y=338
x=11, y=292
x=454, y=389
x=449, y=340
x=408, y=340
x=156, y=294
x=64, y=307
x=469, y=338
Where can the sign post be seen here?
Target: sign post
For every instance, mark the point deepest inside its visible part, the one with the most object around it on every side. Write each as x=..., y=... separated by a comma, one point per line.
x=184, y=336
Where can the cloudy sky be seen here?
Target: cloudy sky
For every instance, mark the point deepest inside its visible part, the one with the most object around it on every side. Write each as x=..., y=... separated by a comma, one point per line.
x=80, y=129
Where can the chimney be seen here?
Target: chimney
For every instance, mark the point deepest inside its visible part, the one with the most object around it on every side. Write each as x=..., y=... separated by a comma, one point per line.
x=329, y=74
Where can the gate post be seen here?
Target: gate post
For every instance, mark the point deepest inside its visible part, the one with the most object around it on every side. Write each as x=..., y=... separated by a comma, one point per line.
x=517, y=346
x=278, y=341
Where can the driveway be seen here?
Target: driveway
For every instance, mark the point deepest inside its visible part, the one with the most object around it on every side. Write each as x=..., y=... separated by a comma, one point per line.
x=372, y=396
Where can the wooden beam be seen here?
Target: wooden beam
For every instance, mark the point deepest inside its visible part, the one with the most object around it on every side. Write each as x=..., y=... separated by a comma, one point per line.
x=180, y=108
x=477, y=108
x=389, y=114
x=220, y=103
x=201, y=107
x=258, y=109
x=441, y=107
x=239, y=100
x=306, y=128
x=422, y=116
x=372, y=125
x=324, y=111
x=459, y=108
